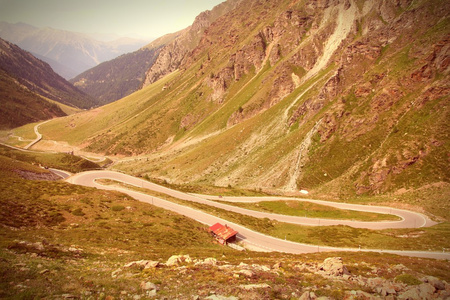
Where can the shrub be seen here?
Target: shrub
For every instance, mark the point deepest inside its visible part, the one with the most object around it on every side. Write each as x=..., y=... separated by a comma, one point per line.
x=408, y=279
x=117, y=208
x=78, y=212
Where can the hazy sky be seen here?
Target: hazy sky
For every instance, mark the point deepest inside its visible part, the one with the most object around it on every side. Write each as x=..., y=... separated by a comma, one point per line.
x=146, y=18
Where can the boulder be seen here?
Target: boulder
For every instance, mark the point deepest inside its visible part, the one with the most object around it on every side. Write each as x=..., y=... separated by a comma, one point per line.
x=426, y=290
x=375, y=282
x=151, y=264
x=148, y=285
x=260, y=268
x=422, y=291
x=255, y=286
x=308, y=296
x=220, y=297
x=175, y=260
x=226, y=267
x=389, y=288
x=143, y=264
x=438, y=284
x=334, y=266
x=359, y=295
x=277, y=266
x=130, y=264
x=115, y=273
x=411, y=294
x=400, y=267
x=210, y=261
x=246, y=273
x=38, y=246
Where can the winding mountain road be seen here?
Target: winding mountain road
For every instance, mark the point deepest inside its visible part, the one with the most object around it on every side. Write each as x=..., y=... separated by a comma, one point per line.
x=250, y=237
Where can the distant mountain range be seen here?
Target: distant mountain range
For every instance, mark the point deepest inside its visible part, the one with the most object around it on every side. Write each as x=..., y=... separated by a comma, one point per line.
x=68, y=53
x=31, y=91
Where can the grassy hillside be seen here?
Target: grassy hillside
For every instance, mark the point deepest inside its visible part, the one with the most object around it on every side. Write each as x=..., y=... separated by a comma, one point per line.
x=62, y=161
x=21, y=106
x=65, y=241
x=99, y=123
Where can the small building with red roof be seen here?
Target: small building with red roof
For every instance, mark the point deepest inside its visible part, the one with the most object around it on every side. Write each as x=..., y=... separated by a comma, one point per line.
x=223, y=233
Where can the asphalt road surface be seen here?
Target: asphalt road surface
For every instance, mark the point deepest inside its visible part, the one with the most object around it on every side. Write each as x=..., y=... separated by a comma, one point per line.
x=254, y=239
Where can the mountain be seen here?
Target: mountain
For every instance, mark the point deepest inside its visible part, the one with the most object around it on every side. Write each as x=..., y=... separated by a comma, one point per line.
x=69, y=53
x=341, y=98
x=119, y=77
x=123, y=75
x=27, y=85
x=20, y=106
x=177, y=50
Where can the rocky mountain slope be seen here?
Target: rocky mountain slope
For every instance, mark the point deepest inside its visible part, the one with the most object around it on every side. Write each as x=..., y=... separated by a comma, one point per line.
x=338, y=97
x=68, y=53
x=178, y=50
x=25, y=83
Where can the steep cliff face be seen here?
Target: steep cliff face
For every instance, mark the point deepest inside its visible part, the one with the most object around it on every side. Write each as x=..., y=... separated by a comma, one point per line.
x=173, y=54
x=342, y=97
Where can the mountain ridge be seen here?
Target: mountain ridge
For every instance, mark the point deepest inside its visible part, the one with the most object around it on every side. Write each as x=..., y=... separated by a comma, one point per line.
x=172, y=54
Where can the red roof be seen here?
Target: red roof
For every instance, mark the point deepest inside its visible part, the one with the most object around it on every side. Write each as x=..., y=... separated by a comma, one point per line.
x=223, y=231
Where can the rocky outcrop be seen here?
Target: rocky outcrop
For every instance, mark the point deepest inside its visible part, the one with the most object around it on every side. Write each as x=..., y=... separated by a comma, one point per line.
x=438, y=61
x=173, y=54
x=168, y=59
x=333, y=266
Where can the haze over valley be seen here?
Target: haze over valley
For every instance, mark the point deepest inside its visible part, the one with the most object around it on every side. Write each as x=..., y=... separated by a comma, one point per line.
x=264, y=150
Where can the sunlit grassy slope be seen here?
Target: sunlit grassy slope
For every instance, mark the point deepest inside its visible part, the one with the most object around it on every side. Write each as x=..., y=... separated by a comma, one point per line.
x=80, y=127
x=62, y=161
